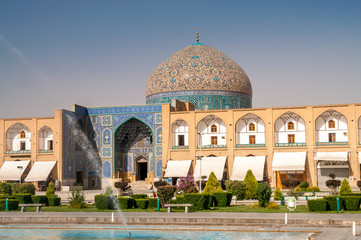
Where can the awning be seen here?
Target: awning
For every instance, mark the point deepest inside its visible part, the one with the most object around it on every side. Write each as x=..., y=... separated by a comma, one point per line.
x=177, y=168
x=331, y=156
x=10, y=172
x=288, y=161
x=208, y=165
x=40, y=171
x=242, y=164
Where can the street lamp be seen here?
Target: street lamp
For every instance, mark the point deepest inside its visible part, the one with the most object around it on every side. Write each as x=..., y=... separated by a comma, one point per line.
x=200, y=161
x=20, y=168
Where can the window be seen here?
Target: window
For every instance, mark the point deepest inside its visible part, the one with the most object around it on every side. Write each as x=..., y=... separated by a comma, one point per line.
x=331, y=124
x=251, y=127
x=252, y=139
x=290, y=126
x=213, y=128
x=22, y=145
x=291, y=138
x=332, y=137
x=50, y=144
x=22, y=134
x=180, y=140
x=214, y=140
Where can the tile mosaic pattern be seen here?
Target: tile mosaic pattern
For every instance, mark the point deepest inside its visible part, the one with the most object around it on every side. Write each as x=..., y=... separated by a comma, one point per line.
x=198, y=67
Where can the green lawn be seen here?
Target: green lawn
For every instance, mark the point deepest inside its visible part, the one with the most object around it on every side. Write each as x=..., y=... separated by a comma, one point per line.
x=92, y=208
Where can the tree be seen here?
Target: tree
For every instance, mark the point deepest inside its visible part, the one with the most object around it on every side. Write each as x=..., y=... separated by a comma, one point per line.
x=251, y=185
x=291, y=184
x=77, y=198
x=50, y=191
x=165, y=193
x=345, y=187
x=332, y=183
x=213, y=184
x=277, y=194
x=237, y=188
x=264, y=193
x=187, y=185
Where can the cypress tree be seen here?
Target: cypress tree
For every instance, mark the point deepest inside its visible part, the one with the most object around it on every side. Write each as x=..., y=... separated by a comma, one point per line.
x=251, y=185
x=345, y=187
x=213, y=184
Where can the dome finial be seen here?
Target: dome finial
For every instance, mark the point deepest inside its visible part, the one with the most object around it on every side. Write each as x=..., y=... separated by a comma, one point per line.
x=197, y=34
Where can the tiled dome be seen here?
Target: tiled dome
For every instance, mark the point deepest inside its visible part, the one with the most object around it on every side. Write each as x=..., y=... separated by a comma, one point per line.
x=197, y=68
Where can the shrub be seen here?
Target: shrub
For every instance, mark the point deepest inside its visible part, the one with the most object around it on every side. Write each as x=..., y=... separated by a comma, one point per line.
x=304, y=185
x=101, y=201
x=319, y=205
x=213, y=185
x=76, y=199
x=200, y=201
x=165, y=193
x=152, y=202
x=351, y=203
x=264, y=193
x=332, y=203
x=23, y=188
x=50, y=191
x=345, y=187
x=160, y=183
x=142, y=203
x=7, y=188
x=290, y=183
x=237, y=188
x=54, y=201
x=179, y=199
x=4, y=196
x=122, y=187
x=13, y=204
x=126, y=203
x=251, y=185
x=277, y=194
x=222, y=199
x=40, y=199
x=23, y=197
x=2, y=188
x=332, y=183
x=139, y=196
x=313, y=189
x=187, y=185
x=272, y=205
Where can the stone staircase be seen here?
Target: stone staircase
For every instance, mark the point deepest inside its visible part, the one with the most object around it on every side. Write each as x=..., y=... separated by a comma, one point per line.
x=140, y=187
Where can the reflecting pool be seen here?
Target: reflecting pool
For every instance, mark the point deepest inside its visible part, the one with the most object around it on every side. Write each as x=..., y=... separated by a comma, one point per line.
x=114, y=232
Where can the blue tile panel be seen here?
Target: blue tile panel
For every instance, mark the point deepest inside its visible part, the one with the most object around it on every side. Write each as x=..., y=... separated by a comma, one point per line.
x=125, y=110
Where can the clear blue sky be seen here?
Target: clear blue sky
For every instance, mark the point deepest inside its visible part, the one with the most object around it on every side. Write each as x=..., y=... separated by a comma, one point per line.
x=101, y=53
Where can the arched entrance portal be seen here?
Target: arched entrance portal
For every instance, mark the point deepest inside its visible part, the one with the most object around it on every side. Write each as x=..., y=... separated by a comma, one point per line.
x=133, y=149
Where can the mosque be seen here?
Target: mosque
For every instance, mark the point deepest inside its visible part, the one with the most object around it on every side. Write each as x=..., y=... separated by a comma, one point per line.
x=198, y=118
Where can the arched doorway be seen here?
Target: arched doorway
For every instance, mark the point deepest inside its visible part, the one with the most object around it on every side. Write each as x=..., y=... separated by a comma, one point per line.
x=133, y=148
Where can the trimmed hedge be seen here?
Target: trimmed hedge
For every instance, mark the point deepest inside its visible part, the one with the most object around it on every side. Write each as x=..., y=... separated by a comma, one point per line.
x=152, y=202
x=142, y=203
x=179, y=199
x=200, y=201
x=54, y=201
x=319, y=205
x=332, y=203
x=126, y=203
x=139, y=196
x=352, y=203
x=13, y=204
x=222, y=199
x=101, y=201
x=4, y=196
x=23, y=197
x=40, y=199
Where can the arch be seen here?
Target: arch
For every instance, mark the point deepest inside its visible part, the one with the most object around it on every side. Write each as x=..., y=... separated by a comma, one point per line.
x=290, y=130
x=331, y=128
x=18, y=138
x=45, y=139
x=205, y=134
x=133, y=147
x=250, y=129
x=180, y=133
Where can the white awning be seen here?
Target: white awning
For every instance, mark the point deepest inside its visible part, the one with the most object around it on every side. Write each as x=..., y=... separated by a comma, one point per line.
x=288, y=161
x=208, y=165
x=177, y=168
x=10, y=172
x=242, y=164
x=40, y=171
x=331, y=156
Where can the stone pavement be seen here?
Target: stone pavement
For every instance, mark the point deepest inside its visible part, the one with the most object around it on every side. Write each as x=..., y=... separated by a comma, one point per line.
x=330, y=226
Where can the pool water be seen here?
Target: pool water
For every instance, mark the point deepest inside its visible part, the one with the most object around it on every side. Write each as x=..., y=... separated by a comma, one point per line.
x=113, y=232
